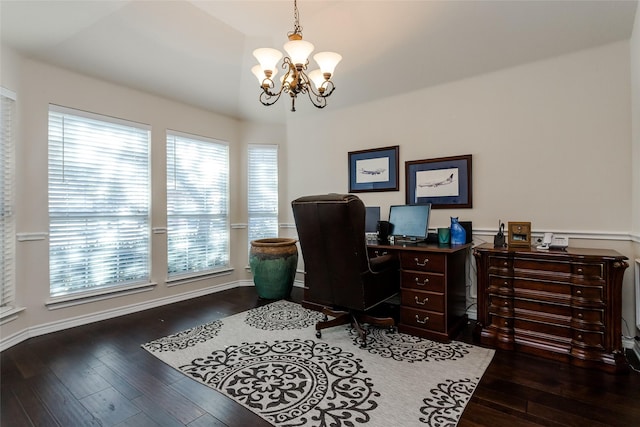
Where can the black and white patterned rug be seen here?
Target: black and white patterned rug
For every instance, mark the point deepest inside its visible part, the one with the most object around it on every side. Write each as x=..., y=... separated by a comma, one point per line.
x=269, y=360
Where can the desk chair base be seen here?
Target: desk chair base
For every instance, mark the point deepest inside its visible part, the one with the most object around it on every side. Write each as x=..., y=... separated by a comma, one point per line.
x=355, y=319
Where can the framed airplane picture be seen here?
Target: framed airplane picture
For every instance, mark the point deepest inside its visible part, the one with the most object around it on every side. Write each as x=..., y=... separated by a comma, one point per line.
x=444, y=182
x=374, y=170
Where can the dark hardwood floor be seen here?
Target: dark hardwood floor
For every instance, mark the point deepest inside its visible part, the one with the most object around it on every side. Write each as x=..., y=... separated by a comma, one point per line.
x=99, y=375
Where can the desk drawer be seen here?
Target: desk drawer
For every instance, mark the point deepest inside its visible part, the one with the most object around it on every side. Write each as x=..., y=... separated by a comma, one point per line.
x=423, y=261
x=433, y=301
x=423, y=281
x=422, y=319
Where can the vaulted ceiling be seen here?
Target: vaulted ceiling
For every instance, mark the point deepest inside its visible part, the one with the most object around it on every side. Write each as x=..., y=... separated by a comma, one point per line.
x=200, y=52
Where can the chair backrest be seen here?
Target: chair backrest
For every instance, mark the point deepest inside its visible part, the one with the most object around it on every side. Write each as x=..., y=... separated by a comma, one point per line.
x=331, y=230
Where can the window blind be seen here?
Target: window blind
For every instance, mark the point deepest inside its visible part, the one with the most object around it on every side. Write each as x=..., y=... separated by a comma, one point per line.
x=99, y=185
x=262, y=165
x=7, y=217
x=197, y=204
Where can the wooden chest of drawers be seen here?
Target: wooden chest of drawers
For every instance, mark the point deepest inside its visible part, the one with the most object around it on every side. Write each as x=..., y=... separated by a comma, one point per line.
x=432, y=288
x=564, y=305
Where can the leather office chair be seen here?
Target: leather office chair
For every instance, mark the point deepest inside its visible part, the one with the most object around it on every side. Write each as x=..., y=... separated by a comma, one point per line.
x=338, y=272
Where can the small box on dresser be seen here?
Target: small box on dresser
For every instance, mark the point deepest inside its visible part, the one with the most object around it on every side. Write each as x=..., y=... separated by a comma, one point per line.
x=564, y=305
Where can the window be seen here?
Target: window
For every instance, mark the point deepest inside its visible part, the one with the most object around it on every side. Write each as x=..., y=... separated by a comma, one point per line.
x=98, y=202
x=7, y=218
x=197, y=204
x=262, y=180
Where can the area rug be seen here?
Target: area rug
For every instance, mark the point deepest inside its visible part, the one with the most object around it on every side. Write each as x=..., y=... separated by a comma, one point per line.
x=269, y=360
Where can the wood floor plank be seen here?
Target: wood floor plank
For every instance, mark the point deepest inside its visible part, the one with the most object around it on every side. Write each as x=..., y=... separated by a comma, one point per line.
x=60, y=402
x=39, y=415
x=12, y=413
x=110, y=407
x=98, y=374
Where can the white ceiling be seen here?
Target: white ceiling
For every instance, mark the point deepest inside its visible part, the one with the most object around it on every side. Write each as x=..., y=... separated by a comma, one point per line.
x=200, y=52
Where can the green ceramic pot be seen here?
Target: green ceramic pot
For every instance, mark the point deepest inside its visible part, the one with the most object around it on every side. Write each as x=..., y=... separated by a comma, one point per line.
x=273, y=263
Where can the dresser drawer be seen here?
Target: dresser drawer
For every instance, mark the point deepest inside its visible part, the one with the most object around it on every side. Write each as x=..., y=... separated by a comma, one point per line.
x=504, y=284
x=542, y=291
x=422, y=319
x=592, y=320
x=526, y=306
x=423, y=261
x=588, y=271
x=588, y=339
x=500, y=262
x=433, y=282
x=501, y=305
x=588, y=295
x=433, y=301
x=542, y=265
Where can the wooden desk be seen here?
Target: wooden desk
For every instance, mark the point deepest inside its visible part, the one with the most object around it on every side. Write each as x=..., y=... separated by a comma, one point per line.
x=563, y=305
x=432, y=287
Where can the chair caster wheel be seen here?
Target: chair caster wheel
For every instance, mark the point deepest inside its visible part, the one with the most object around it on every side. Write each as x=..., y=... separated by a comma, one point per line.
x=318, y=334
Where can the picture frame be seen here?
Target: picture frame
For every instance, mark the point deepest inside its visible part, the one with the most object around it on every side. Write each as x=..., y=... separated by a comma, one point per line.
x=444, y=182
x=375, y=169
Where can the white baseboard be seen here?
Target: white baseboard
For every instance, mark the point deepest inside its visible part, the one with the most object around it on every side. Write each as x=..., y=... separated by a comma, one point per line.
x=38, y=330
x=35, y=331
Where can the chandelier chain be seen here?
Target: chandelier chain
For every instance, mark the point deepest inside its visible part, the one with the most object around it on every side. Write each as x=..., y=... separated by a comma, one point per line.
x=297, y=29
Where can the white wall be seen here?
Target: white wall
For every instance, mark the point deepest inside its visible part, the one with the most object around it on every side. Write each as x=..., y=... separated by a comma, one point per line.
x=37, y=85
x=550, y=142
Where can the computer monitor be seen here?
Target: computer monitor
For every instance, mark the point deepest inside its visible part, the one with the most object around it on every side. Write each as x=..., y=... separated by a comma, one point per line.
x=410, y=222
x=372, y=217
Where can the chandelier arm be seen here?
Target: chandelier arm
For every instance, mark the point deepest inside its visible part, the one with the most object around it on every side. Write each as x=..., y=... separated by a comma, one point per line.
x=319, y=102
x=329, y=87
x=266, y=97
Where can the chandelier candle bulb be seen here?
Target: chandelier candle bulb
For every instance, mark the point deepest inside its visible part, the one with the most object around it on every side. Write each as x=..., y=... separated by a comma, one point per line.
x=327, y=62
x=299, y=51
x=268, y=58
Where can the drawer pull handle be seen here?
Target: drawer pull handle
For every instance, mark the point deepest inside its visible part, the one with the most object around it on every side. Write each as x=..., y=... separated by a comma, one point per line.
x=506, y=283
x=580, y=336
x=506, y=264
x=578, y=292
x=579, y=315
x=424, y=301
x=380, y=254
x=422, y=322
x=506, y=303
x=426, y=260
x=424, y=282
x=580, y=270
x=506, y=323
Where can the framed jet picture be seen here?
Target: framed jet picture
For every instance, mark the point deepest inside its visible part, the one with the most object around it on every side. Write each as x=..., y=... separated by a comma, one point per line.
x=444, y=182
x=374, y=170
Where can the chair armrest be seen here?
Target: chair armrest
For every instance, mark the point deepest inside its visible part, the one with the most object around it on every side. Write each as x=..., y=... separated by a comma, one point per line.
x=383, y=262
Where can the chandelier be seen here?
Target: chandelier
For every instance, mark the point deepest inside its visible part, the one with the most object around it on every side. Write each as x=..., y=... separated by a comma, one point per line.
x=316, y=84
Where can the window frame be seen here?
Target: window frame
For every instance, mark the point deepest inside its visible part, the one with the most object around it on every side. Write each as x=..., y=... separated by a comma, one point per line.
x=8, y=111
x=140, y=252
x=273, y=149
x=186, y=275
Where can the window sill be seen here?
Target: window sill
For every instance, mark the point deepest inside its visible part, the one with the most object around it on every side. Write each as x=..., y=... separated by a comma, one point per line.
x=103, y=294
x=188, y=278
x=9, y=314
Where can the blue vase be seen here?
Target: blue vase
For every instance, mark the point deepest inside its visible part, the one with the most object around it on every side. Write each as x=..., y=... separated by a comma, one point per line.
x=458, y=233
